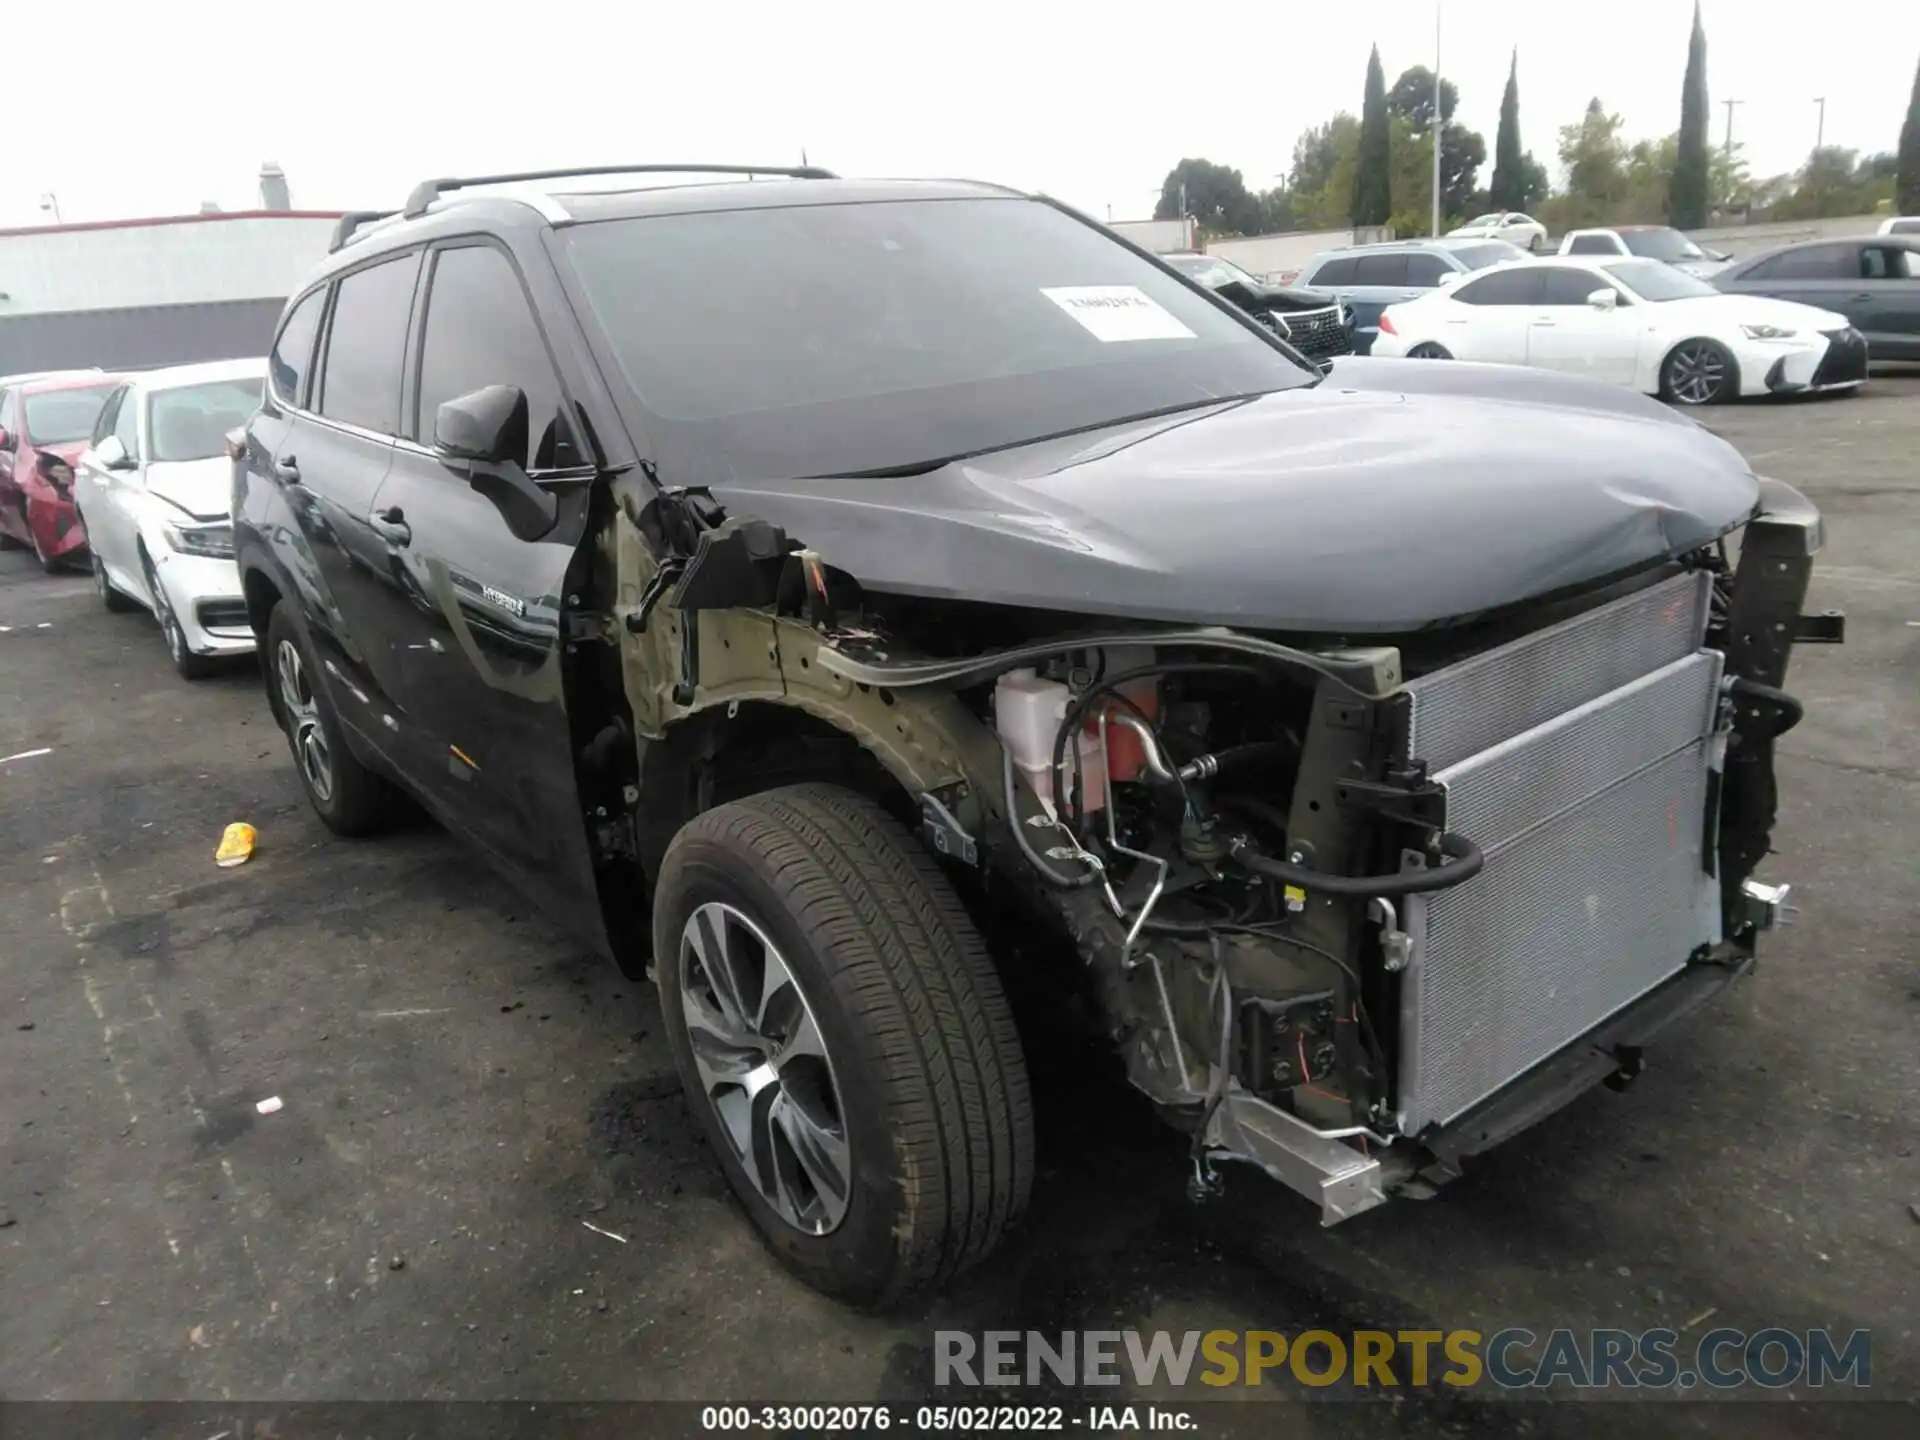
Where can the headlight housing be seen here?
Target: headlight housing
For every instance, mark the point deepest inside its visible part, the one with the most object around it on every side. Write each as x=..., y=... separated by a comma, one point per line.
x=213, y=542
x=1767, y=332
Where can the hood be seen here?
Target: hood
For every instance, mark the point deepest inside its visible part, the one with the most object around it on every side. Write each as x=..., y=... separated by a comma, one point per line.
x=1396, y=494
x=1292, y=298
x=1700, y=269
x=202, y=488
x=1739, y=309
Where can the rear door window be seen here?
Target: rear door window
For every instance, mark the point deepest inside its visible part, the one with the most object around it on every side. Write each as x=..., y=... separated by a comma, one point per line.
x=1815, y=262
x=292, y=354
x=366, y=345
x=1520, y=285
x=1426, y=269
x=1380, y=270
x=1333, y=272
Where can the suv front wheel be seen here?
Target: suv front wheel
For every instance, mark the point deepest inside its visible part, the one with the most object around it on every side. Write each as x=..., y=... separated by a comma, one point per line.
x=842, y=1034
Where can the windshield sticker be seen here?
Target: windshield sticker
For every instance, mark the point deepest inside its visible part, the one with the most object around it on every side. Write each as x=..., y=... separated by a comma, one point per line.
x=1117, y=312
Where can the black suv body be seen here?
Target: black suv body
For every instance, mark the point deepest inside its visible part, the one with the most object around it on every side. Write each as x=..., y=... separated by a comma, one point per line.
x=847, y=602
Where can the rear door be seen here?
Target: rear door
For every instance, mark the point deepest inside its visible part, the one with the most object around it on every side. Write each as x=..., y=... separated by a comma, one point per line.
x=1491, y=314
x=1890, y=313
x=478, y=641
x=330, y=464
x=1827, y=276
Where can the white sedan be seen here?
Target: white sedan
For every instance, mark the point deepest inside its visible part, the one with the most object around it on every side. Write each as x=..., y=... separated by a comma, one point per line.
x=1630, y=322
x=154, y=490
x=1508, y=225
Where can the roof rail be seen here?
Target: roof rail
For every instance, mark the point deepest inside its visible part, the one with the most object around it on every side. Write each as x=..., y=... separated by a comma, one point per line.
x=351, y=222
x=427, y=191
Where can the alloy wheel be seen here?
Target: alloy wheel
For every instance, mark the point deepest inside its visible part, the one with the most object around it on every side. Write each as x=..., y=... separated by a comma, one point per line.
x=162, y=611
x=764, y=1065
x=304, y=726
x=1696, y=374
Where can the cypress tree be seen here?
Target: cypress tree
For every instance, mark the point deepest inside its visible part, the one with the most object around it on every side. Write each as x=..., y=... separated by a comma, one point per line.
x=1372, y=184
x=1906, y=184
x=1687, y=197
x=1507, y=189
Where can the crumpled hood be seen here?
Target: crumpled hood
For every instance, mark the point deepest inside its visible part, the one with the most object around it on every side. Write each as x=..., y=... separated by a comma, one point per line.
x=1394, y=495
x=202, y=488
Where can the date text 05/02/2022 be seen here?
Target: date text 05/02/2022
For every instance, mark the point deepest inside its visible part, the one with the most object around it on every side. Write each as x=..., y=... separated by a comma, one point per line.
x=923, y=1419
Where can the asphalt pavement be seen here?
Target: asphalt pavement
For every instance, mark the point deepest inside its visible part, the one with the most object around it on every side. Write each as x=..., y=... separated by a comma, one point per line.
x=481, y=1182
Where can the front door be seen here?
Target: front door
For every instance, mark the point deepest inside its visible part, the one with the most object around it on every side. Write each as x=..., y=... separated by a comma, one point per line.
x=477, y=628
x=1569, y=334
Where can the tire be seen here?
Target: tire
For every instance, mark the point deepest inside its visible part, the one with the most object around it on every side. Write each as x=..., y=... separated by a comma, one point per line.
x=186, y=664
x=1427, y=350
x=349, y=798
x=924, y=1108
x=49, y=564
x=1533, y=244
x=110, y=597
x=1699, y=372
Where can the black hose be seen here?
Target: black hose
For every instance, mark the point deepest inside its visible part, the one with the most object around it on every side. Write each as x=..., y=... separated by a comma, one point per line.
x=1464, y=859
x=1075, y=717
x=1792, y=712
x=1019, y=828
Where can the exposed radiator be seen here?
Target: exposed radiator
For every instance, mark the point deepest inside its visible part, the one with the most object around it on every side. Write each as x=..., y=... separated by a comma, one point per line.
x=1578, y=759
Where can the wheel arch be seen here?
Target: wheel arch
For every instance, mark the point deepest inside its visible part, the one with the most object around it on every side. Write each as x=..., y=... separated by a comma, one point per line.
x=1666, y=353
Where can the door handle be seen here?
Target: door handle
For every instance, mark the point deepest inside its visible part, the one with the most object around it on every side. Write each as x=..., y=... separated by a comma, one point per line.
x=1545, y=324
x=287, y=468
x=391, y=524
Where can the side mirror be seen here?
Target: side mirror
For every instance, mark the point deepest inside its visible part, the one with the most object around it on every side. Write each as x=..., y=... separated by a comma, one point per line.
x=1448, y=277
x=111, y=454
x=485, y=433
x=1604, y=299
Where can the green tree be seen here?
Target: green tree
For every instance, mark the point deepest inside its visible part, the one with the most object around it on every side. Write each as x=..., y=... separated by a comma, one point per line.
x=1325, y=160
x=1596, y=163
x=1534, y=185
x=1373, y=178
x=1506, y=191
x=1217, y=197
x=1687, y=195
x=1462, y=151
x=1906, y=186
x=1648, y=175
x=1412, y=98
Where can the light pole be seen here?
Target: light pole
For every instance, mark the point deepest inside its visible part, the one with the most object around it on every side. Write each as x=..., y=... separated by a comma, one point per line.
x=1820, y=133
x=1439, y=122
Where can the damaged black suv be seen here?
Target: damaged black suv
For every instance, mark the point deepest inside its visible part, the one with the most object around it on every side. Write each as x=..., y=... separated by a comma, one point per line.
x=790, y=579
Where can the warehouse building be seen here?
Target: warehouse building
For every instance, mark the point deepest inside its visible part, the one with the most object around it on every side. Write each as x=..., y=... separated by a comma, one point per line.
x=130, y=294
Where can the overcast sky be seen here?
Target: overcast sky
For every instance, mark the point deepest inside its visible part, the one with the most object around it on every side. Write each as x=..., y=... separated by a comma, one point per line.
x=151, y=111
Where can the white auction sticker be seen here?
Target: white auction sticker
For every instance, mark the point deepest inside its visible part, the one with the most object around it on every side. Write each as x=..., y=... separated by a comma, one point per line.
x=1117, y=312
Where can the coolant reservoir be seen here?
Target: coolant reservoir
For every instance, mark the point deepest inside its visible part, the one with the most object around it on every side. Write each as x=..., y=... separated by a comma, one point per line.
x=1028, y=711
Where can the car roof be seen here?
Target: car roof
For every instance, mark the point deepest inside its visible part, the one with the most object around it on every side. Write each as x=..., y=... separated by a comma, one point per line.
x=171, y=377
x=1879, y=242
x=501, y=205
x=80, y=380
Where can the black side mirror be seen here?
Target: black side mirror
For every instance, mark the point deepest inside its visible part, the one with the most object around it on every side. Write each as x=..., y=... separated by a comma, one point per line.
x=485, y=432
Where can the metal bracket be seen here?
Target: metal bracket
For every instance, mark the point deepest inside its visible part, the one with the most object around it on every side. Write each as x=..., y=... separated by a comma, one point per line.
x=1764, y=907
x=1414, y=799
x=945, y=833
x=1829, y=627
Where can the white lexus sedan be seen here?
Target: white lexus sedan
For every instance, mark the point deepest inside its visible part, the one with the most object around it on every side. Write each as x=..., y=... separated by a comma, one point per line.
x=1508, y=225
x=1630, y=322
x=154, y=491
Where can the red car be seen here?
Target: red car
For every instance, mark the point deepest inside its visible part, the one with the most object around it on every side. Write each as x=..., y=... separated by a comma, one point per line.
x=44, y=425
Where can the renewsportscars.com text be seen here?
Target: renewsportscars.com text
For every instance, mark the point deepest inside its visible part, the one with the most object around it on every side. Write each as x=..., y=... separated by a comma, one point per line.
x=1511, y=1359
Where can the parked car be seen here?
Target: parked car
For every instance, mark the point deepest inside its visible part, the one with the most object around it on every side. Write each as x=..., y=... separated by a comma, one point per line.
x=1900, y=225
x=44, y=425
x=153, y=491
x=1368, y=278
x=923, y=582
x=1508, y=225
x=1315, y=323
x=1648, y=242
x=1873, y=280
x=1640, y=323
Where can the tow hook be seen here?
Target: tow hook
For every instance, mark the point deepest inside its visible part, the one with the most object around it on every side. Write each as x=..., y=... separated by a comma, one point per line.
x=1631, y=1064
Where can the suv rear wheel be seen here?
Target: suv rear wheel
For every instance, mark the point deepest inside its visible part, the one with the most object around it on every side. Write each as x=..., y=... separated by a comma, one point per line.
x=841, y=1032
x=345, y=794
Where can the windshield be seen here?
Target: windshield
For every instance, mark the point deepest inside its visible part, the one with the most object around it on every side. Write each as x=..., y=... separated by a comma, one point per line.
x=1494, y=252
x=62, y=417
x=190, y=422
x=1661, y=245
x=1210, y=270
x=834, y=339
x=1655, y=280
x=1480, y=220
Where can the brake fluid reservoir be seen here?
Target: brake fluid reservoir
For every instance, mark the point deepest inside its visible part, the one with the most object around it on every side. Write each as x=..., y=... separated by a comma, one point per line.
x=1126, y=755
x=1027, y=712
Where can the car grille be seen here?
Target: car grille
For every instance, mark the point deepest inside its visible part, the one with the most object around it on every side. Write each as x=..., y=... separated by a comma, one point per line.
x=1578, y=759
x=1316, y=334
x=1846, y=358
x=222, y=614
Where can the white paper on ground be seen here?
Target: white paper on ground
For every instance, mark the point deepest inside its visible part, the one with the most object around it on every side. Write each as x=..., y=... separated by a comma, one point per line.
x=1117, y=312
